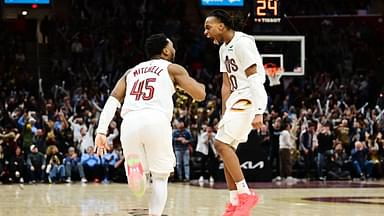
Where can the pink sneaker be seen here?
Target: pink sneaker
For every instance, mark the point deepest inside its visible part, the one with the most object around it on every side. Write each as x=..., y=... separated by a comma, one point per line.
x=136, y=176
x=246, y=203
x=229, y=210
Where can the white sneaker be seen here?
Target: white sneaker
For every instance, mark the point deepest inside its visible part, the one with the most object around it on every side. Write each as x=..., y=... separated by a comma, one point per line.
x=201, y=179
x=211, y=179
x=68, y=180
x=277, y=179
x=84, y=180
x=21, y=181
x=291, y=179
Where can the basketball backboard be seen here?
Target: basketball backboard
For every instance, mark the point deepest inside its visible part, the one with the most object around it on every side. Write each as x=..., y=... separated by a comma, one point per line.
x=287, y=52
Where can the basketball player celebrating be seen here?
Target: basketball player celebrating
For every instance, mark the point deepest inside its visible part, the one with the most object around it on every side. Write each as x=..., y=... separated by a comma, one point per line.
x=147, y=111
x=244, y=101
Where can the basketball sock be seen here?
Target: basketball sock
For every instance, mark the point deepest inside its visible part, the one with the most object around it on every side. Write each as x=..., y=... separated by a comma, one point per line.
x=242, y=187
x=158, y=196
x=233, y=197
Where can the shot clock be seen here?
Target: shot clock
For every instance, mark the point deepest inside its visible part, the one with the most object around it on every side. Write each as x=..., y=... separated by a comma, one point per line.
x=267, y=11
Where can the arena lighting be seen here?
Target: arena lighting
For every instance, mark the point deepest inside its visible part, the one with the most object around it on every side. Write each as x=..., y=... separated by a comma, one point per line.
x=24, y=13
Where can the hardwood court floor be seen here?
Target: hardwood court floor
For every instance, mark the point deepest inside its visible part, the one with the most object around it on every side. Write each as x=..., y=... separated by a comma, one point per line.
x=315, y=199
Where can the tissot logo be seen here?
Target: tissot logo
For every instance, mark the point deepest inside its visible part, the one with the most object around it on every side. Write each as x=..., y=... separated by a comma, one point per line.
x=248, y=165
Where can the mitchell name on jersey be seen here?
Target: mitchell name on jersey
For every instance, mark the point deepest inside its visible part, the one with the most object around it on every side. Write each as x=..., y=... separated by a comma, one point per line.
x=152, y=69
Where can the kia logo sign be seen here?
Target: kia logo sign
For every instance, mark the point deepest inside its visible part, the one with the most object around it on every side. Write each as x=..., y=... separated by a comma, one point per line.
x=248, y=165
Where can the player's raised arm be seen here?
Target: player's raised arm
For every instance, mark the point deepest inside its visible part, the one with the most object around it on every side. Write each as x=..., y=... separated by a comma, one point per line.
x=181, y=78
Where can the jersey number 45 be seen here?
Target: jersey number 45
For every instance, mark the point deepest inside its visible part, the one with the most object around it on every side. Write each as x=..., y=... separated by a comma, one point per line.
x=143, y=89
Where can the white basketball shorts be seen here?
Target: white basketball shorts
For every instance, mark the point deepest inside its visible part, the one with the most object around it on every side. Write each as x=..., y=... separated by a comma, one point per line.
x=148, y=133
x=236, y=123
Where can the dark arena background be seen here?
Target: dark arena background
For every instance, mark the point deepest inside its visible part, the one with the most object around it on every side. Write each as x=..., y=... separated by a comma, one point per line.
x=324, y=59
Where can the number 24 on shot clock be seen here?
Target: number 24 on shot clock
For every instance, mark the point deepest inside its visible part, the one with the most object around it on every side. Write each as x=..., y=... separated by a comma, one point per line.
x=267, y=11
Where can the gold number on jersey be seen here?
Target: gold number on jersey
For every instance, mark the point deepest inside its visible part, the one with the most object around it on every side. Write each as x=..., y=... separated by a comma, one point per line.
x=233, y=81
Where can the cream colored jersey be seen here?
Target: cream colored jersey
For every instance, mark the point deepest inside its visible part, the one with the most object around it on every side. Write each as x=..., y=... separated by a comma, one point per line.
x=237, y=56
x=149, y=87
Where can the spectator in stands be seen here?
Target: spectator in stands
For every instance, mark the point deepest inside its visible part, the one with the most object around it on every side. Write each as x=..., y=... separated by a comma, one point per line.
x=76, y=125
x=325, y=144
x=26, y=124
x=55, y=168
x=182, y=139
x=17, y=166
x=92, y=165
x=205, y=146
x=285, y=148
x=63, y=132
x=274, y=147
x=8, y=145
x=39, y=140
x=373, y=155
x=119, y=174
x=113, y=132
x=337, y=163
x=50, y=136
x=73, y=164
x=357, y=132
x=342, y=134
x=109, y=161
x=380, y=142
x=86, y=139
x=308, y=141
x=36, y=164
x=362, y=165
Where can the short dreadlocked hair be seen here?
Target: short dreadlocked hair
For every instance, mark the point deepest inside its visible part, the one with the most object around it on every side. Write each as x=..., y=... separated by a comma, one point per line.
x=223, y=16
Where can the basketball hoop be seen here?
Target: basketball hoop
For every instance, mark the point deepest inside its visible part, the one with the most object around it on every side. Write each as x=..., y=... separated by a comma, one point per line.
x=274, y=73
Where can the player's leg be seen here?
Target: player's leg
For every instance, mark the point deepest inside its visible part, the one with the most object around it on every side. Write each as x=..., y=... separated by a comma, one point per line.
x=230, y=159
x=231, y=129
x=233, y=196
x=232, y=169
x=161, y=160
x=159, y=193
x=226, y=142
x=230, y=182
x=136, y=165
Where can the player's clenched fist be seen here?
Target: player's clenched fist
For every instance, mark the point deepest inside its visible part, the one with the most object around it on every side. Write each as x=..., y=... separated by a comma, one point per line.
x=257, y=122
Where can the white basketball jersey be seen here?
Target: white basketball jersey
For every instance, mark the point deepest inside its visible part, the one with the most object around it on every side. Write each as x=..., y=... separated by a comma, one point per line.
x=149, y=87
x=236, y=56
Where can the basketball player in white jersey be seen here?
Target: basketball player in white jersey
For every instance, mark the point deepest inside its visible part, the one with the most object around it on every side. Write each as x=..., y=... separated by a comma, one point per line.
x=147, y=90
x=244, y=101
